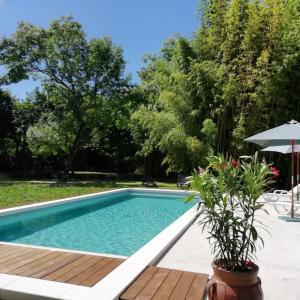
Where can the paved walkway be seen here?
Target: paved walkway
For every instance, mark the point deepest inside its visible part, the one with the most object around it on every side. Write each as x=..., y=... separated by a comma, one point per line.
x=279, y=261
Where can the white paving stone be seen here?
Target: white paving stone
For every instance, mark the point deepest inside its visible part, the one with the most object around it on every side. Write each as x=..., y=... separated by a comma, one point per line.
x=31, y=288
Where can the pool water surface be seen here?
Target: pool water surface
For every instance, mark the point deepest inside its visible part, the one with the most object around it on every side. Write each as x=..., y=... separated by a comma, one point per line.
x=118, y=224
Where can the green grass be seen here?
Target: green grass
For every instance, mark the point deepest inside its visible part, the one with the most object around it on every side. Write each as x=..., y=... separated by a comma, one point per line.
x=14, y=193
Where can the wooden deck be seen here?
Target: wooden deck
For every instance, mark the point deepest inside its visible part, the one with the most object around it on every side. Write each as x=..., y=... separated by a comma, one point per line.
x=161, y=284
x=154, y=283
x=80, y=269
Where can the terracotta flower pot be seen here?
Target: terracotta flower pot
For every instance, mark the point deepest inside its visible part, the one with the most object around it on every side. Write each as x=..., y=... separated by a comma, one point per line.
x=225, y=285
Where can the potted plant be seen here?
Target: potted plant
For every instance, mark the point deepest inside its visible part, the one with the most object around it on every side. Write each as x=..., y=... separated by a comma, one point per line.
x=229, y=192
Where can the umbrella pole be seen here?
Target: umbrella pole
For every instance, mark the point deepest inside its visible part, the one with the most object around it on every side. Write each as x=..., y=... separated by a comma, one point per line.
x=292, y=179
x=297, y=176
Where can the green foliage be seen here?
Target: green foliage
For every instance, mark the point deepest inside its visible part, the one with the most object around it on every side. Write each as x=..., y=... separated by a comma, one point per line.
x=49, y=138
x=237, y=76
x=229, y=192
x=82, y=82
x=241, y=70
x=210, y=133
x=239, y=134
x=7, y=126
x=177, y=104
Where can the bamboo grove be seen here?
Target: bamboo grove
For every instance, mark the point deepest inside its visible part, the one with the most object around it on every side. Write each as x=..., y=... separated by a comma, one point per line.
x=239, y=75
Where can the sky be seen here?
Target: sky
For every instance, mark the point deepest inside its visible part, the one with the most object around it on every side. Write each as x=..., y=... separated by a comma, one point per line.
x=138, y=26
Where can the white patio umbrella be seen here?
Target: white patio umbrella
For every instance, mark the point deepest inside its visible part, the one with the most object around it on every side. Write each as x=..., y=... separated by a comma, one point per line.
x=285, y=135
x=287, y=149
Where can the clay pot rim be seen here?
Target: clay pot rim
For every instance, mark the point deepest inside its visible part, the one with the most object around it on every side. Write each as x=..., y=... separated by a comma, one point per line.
x=254, y=269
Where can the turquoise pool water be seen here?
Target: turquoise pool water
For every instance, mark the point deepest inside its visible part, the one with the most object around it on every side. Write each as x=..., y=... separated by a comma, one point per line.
x=115, y=224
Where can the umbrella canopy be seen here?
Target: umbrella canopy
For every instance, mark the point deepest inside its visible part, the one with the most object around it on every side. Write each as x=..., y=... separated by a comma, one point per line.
x=278, y=136
x=282, y=149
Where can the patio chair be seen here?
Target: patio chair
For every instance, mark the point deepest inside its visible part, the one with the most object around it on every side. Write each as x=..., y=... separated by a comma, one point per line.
x=285, y=208
x=277, y=195
x=182, y=181
x=281, y=201
x=149, y=181
x=281, y=195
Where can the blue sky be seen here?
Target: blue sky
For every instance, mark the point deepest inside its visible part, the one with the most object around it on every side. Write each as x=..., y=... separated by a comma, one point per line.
x=138, y=26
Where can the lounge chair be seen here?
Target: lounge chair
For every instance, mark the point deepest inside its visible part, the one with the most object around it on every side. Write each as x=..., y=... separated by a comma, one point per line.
x=149, y=181
x=282, y=195
x=285, y=208
x=278, y=195
x=182, y=181
x=281, y=201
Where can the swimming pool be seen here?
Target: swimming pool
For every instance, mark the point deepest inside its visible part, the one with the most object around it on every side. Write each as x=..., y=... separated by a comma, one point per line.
x=118, y=223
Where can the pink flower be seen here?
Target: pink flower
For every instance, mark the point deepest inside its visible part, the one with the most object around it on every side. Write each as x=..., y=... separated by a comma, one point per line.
x=234, y=163
x=248, y=263
x=275, y=171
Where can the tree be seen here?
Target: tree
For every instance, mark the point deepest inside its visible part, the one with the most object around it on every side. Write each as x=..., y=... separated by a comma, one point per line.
x=49, y=137
x=26, y=113
x=7, y=126
x=6, y=114
x=82, y=80
x=178, y=90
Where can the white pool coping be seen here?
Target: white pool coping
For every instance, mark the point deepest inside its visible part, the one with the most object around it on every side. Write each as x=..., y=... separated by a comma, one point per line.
x=110, y=287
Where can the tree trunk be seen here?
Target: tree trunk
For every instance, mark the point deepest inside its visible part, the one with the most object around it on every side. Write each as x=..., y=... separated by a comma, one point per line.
x=69, y=162
x=81, y=137
x=17, y=151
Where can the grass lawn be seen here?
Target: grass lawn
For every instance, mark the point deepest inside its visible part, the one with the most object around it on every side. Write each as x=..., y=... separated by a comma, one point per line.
x=15, y=193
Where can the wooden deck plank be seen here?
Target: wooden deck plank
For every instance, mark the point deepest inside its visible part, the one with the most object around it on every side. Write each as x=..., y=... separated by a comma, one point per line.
x=77, y=279
x=5, y=246
x=183, y=286
x=14, y=253
x=139, y=284
x=29, y=269
x=55, y=274
x=61, y=261
x=93, y=278
x=22, y=261
x=6, y=249
x=168, y=286
x=153, y=285
x=40, y=264
x=20, y=256
x=17, y=257
x=97, y=276
x=76, y=270
x=198, y=287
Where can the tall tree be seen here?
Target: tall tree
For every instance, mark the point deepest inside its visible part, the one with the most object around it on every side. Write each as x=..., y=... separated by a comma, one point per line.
x=82, y=79
x=7, y=126
x=178, y=90
x=26, y=114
